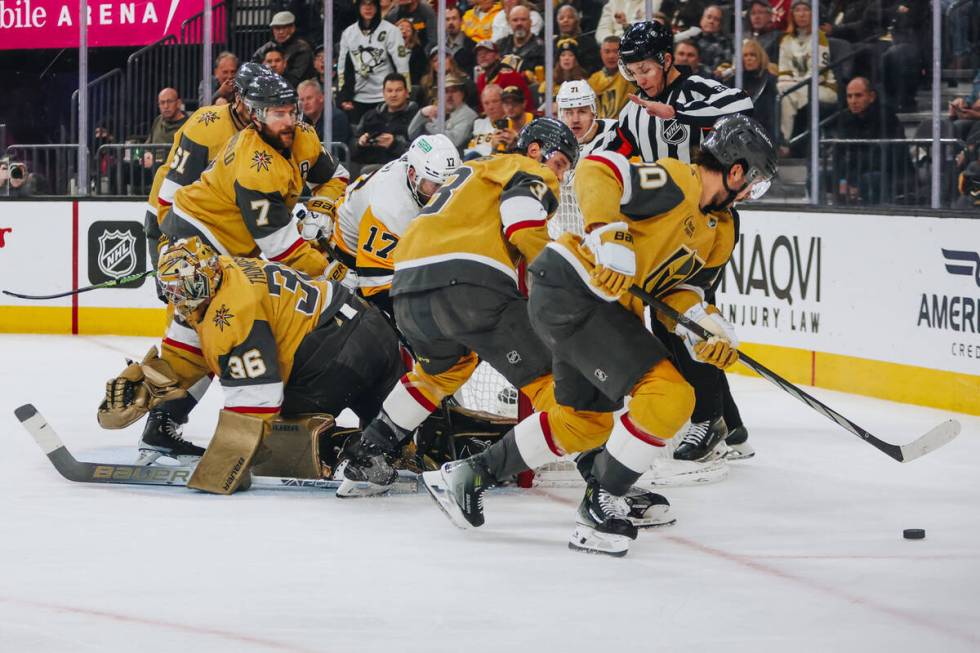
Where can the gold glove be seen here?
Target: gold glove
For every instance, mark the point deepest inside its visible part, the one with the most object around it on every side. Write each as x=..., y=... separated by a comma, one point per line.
x=716, y=351
x=136, y=390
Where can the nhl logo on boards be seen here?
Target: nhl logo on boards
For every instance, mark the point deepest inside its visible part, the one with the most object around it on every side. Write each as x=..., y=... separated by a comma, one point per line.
x=116, y=249
x=674, y=132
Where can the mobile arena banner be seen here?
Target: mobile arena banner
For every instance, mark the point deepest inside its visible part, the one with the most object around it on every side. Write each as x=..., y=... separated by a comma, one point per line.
x=886, y=306
x=34, y=24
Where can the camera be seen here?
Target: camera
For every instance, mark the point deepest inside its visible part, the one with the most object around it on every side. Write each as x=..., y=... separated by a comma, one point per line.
x=18, y=171
x=500, y=124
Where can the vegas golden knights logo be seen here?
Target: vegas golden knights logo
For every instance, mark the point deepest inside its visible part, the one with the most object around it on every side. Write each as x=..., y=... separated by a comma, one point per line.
x=680, y=266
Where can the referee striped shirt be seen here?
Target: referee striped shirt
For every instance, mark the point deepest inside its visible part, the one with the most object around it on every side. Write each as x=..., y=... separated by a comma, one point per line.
x=698, y=102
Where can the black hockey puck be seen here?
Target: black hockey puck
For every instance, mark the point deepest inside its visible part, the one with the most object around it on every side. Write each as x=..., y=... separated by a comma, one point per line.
x=914, y=534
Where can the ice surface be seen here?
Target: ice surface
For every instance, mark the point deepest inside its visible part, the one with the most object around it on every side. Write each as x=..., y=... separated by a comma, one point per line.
x=800, y=549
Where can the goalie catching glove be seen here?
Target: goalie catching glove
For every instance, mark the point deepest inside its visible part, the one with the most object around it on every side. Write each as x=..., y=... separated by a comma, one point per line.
x=718, y=350
x=140, y=387
x=615, y=260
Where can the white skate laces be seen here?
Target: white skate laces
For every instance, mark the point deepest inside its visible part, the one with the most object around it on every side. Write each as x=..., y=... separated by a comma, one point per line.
x=696, y=434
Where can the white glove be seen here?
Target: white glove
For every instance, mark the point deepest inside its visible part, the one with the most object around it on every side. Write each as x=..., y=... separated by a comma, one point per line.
x=312, y=225
x=615, y=260
x=712, y=322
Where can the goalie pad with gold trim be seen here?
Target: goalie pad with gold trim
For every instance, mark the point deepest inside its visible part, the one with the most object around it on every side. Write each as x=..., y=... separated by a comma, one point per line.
x=226, y=464
x=137, y=389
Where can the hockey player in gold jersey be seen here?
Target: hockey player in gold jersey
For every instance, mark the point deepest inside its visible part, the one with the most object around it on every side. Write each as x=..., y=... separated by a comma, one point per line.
x=668, y=227
x=456, y=292
x=241, y=205
x=195, y=145
x=379, y=207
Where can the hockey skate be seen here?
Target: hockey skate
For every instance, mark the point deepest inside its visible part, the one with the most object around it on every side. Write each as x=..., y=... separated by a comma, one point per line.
x=738, y=444
x=602, y=524
x=161, y=438
x=366, y=472
x=648, y=509
x=701, y=441
x=458, y=488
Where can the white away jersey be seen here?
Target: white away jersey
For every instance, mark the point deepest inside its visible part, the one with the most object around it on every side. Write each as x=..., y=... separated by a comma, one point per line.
x=368, y=58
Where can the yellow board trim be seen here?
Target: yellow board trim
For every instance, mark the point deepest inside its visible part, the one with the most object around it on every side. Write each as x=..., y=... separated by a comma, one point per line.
x=35, y=319
x=91, y=321
x=891, y=381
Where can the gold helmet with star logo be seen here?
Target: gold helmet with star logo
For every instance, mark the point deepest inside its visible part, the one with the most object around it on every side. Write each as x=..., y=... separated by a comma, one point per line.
x=189, y=274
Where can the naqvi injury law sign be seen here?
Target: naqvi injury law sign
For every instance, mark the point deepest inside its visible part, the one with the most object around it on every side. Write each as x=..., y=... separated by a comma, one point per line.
x=34, y=24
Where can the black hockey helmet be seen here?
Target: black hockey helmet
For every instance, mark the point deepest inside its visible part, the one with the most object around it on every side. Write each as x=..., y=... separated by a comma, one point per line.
x=246, y=73
x=553, y=136
x=738, y=139
x=268, y=91
x=644, y=40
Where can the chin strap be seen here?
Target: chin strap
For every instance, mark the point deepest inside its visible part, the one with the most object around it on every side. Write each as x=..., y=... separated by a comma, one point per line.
x=729, y=200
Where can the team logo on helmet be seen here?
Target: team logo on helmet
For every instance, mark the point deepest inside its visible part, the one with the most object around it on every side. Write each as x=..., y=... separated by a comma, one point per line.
x=208, y=117
x=261, y=161
x=117, y=253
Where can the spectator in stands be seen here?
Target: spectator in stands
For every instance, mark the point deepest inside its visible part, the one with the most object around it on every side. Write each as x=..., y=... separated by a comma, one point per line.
x=459, y=117
x=274, y=59
x=611, y=89
x=388, y=9
x=171, y=118
x=521, y=41
x=618, y=14
x=688, y=53
x=501, y=22
x=567, y=67
x=759, y=83
x=478, y=20
x=969, y=189
x=382, y=134
x=427, y=89
x=488, y=131
x=422, y=18
x=716, y=48
x=222, y=82
x=795, y=67
x=568, y=20
x=965, y=112
x=517, y=115
x=370, y=50
x=296, y=51
x=319, y=65
x=494, y=72
x=761, y=28
x=869, y=172
x=457, y=43
x=311, y=103
x=16, y=181
x=418, y=62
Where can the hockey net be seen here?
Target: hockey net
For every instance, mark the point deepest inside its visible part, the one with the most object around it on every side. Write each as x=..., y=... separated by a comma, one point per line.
x=489, y=391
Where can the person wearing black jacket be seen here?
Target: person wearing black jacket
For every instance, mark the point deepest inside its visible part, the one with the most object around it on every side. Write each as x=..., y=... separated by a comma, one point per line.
x=382, y=134
x=760, y=84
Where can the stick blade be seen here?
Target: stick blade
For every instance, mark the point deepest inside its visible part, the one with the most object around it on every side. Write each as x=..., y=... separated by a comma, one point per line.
x=934, y=439
x=39, y=429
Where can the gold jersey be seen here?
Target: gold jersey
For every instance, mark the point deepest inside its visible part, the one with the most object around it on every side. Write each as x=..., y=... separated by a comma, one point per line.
x=489, y=216
x=478, y=25
x=242, y=203
x=249, y=334
x=611, y=93
x=680, y=249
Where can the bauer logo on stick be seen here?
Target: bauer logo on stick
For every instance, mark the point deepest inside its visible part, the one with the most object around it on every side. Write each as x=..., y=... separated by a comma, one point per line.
x=116, y=249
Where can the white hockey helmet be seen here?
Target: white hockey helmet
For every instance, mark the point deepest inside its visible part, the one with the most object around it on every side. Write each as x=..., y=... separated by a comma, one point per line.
x=432, y=157
x=574, y=94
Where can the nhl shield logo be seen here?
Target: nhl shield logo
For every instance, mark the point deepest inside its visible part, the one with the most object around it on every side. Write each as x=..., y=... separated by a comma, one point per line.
x=117, y=253
x=674, y=132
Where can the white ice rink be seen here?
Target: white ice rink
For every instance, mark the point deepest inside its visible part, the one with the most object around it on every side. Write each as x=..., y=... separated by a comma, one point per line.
x=800, y=549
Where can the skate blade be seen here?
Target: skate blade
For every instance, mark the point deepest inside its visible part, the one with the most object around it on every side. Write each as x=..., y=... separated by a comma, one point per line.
x=653, y=517
x=436, y=487
x=741, y=451
x=588, y=540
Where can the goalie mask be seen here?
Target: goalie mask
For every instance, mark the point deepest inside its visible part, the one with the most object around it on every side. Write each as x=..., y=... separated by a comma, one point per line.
x=433, y=159
x=189, y=274
x=740, y=140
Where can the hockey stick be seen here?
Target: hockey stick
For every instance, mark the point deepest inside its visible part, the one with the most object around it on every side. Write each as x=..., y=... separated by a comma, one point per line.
x=177, y=476
x=106, y=284
x=931, y=441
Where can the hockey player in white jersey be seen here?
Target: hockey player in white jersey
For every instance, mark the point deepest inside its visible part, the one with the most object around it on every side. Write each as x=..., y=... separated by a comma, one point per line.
x=378, y=208
x=577, y=109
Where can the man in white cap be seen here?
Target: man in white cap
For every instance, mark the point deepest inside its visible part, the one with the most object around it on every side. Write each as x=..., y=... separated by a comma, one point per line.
x=299, y=53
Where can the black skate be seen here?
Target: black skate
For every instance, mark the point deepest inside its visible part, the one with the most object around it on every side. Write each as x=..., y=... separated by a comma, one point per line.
x=738, y=444
x=161, y=438
x=648, y=509
x=700, y=441
x=366, y=472
x=603, y=525
x=458, y=488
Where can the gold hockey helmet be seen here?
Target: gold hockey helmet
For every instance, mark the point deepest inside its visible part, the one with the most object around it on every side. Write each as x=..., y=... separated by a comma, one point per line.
x=189, y=274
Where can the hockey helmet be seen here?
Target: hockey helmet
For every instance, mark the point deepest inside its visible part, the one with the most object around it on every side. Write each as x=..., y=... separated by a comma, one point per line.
x=189, y=274
x=246, y=73
x=269, y=91
x=552, y=135
x=432, y=157
x=644, y=40
x=738, y=139
x=575, y=94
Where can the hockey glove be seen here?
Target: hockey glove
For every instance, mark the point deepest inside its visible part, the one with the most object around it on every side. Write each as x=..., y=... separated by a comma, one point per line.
x=313, y=225
x=720, y=349
x=140, y=387
x=615, y=260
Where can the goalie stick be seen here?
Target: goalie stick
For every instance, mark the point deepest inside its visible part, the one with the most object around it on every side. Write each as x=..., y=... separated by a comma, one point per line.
x=177, y=476
x=106, y=284
x=922, y=445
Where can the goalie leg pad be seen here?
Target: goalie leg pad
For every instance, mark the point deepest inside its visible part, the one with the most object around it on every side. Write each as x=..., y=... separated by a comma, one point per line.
x=226, y=465
x=291, y=447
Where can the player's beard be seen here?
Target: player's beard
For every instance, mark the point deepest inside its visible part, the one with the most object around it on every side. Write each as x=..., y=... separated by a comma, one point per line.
x=281, y=140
